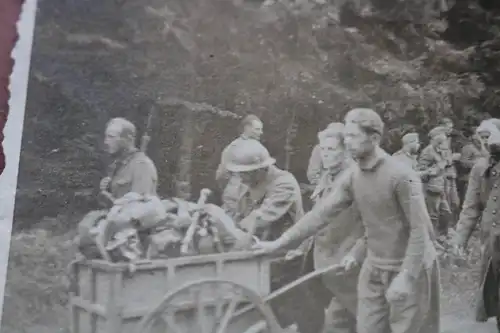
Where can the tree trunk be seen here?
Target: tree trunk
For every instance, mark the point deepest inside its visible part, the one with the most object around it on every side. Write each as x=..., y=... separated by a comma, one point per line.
x=183, y=179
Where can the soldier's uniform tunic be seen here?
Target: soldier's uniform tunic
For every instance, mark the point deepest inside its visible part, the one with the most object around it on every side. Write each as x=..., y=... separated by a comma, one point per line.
x=392, y=207
x=450, y=181
x=275, y=204
x=482, y=205
x=135, y=173
x=432, y=166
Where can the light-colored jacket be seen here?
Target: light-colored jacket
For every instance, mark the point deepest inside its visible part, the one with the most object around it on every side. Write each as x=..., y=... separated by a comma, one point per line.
x=315, y=168
x=432, y=166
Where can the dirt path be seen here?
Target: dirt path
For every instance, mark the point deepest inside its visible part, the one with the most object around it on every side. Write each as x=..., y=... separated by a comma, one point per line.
x=450, y=324
x=456, y=324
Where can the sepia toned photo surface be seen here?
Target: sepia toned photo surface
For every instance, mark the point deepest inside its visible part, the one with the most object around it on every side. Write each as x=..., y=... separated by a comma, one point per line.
x=254, y=166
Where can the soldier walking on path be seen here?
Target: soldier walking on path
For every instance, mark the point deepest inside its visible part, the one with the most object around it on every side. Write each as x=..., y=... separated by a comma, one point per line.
x=132, y=170
x=332, y=243
x=482, y=206
x=409, y=152
x=432, y=165
x=398, y=287
x=450, y=180
x=230, y=183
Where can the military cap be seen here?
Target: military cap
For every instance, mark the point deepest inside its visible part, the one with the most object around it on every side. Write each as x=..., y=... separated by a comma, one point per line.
x=366, y=118
x=489, y=125
x=436, y=131
x=494, y=138
x=410, y=137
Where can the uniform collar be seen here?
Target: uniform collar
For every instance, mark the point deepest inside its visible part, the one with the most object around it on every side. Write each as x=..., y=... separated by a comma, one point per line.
x=374, y=161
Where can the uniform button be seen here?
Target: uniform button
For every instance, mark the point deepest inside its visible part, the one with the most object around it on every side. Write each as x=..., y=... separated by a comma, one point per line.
x=494, y=173
x=494, y=198
x=495, y=186
x=494, y=212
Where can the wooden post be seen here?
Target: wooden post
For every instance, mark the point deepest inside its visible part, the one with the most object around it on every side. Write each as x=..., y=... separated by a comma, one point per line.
x=187, y=138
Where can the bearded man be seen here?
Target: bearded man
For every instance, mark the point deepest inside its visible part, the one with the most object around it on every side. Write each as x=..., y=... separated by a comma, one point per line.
x=398, y=286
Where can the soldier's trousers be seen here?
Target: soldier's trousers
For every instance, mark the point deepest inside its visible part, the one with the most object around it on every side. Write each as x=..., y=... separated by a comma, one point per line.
x=439, y=212
x=338, y=319
x=453, y=199
x=378, y=315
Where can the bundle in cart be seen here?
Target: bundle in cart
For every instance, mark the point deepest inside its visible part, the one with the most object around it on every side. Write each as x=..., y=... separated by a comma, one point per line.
x=141, y=226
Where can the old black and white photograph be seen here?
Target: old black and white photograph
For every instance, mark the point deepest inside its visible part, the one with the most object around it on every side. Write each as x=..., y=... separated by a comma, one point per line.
x=251, y=166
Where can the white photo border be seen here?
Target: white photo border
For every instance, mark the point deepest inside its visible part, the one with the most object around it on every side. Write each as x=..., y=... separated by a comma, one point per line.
x=13, y=133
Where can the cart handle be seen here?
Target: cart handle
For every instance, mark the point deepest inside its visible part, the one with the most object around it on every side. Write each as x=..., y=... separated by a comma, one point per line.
x=338, y=269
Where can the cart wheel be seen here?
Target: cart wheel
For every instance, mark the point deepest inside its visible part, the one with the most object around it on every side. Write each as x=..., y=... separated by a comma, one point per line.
x=210, y=306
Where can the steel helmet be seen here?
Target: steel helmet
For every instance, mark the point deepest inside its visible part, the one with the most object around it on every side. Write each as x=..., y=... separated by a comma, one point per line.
x=248, y=155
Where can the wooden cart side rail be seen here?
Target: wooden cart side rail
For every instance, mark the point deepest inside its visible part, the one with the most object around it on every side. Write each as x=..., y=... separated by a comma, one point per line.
x=179, y=261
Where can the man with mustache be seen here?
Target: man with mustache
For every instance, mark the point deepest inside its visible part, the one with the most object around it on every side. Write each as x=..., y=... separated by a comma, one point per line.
x=482, y=206
x=398, y=286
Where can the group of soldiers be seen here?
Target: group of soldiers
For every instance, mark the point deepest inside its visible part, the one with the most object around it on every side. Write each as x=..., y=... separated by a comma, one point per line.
x=377, y=216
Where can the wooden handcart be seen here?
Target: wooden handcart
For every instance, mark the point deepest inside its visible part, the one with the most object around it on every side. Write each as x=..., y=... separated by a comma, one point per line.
x=217, y=293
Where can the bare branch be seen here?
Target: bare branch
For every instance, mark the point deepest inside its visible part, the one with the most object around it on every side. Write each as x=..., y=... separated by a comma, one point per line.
x=199, y=107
